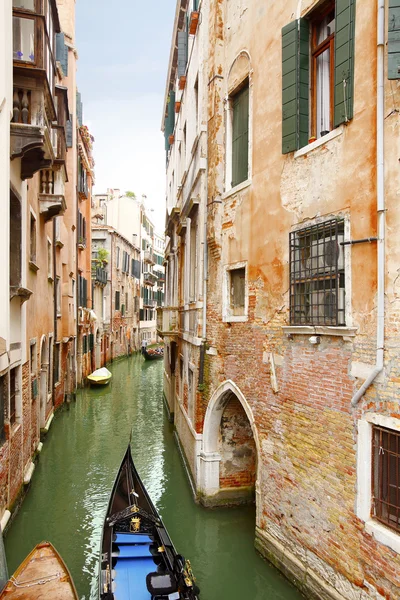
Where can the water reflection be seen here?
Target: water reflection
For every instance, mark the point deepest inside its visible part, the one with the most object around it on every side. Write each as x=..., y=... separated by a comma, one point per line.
x=68, y=498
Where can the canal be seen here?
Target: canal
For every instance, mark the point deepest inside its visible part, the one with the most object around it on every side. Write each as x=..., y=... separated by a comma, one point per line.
x=69, y=493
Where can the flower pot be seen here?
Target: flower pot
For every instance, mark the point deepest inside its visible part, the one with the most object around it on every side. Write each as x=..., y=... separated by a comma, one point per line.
x=194, y=21
x=182, y=82
x=177, y=106
x=171, y=139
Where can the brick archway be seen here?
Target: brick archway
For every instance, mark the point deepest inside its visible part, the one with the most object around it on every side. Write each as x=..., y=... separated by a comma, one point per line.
x=210, y=457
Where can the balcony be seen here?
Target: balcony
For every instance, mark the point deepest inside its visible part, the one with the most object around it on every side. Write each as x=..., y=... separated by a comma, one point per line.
x=51, y=199
x=149, y=278
x=189, y=322
x=167, y=321
x=149, y=257
x=32, y=137
x=147, y=303
x=81, y=242
x=99, y=276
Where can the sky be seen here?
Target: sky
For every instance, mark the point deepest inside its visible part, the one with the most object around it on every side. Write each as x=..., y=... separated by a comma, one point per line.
x=123, y=49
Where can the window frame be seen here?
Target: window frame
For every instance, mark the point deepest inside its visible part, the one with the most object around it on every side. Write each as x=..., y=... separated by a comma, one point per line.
x=301, y=273
x=227, y=315
x=315, y=51
x=235, y=99
x=364, y=503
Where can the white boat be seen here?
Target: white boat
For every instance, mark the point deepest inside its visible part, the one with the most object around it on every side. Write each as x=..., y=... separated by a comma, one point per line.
x=100, y=377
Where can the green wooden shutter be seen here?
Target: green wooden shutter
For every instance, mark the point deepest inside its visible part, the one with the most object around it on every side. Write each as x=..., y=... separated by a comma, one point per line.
x=62, y=52
x=394, y=40
x=68, y=131
x=182, y=52
x=295, y=85
x=344, y=61
x=240, y=137
x=79, y=109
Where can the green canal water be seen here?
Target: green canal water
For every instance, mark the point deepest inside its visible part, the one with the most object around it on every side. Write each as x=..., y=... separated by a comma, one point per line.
x=73, y=479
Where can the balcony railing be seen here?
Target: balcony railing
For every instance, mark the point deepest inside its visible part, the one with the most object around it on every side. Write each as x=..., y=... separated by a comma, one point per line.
x=149, y=278
x=149, y=257
x=100, y=275
x=167, y=321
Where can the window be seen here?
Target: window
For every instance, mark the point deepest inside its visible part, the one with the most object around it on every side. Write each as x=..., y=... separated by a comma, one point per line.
x=386, y=476
x=378, y=477
x=57, y=362
x=33, y=357
x=322, y=75
x=235, y=298
x=317, y=55
x=24, y=39
x=126, y=301
x=3, y=396
x=49, y=260
x=32, y=252
x=190, y=393
x=13, y=395
x=117, y=300
x=117, y=259
x=58, y=296
x=50, y=377
x=25, y=4
x=240, y=136
x=317, y=275
x=73, y=292
x=193, y=257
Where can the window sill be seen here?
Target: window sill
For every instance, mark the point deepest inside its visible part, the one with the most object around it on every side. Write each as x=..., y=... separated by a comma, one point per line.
x=238, y=188
x=33, y=266
x=383, y=535
x=320, y=142
x=235, y=319
x=320, y=330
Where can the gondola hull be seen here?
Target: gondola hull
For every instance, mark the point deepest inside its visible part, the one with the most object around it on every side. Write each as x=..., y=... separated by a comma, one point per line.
x=43, y=574
x=152, y=355
x=138, y=560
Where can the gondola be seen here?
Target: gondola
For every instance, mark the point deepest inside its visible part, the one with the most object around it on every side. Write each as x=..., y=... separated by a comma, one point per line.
x=43, y=574
x=138, y=560
x=153, y=353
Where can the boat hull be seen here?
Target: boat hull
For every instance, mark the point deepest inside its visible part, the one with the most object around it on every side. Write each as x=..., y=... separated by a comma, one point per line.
x=101, y=376
x=137, y=555
x=152, y=356
x=43, y=574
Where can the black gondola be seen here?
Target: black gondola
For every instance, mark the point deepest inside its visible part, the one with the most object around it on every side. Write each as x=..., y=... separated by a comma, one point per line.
x=153, y=353
x=138, y=560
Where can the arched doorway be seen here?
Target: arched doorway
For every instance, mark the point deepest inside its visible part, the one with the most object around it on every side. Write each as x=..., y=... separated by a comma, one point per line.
x=229, y=465
x=44, y=370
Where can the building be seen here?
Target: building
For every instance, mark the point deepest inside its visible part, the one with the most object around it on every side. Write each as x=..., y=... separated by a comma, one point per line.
x=116, y=278
x=86, y=317
x=127, y=216
x=288, y=390
x=6, y=105
x=38, y=353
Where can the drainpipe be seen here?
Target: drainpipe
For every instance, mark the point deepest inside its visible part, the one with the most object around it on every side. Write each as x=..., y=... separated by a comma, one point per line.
x=380, y=106
x=205, y=278
x=54, y=311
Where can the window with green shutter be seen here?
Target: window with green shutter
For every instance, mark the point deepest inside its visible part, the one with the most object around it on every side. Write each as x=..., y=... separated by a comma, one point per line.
x=394, y=40
x=325, y=41
x=240, y=136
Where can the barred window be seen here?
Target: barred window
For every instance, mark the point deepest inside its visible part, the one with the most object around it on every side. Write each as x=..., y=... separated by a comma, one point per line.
x=317, y=282
x=386, y=476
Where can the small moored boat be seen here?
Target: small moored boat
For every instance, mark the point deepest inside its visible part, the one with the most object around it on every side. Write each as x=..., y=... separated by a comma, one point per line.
x=153, y=353
x=138, y=560
x=43, y=574
x=100, y=377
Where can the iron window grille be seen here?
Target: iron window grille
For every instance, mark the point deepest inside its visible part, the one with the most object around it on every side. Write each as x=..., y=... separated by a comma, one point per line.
x=386, y=476
x=317, y=277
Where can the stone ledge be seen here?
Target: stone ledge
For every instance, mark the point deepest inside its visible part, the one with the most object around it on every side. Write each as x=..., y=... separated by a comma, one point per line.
x=308, y=582
x=319, y=330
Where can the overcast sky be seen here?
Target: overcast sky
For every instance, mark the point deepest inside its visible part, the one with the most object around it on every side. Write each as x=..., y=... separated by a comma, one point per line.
x=123, y=49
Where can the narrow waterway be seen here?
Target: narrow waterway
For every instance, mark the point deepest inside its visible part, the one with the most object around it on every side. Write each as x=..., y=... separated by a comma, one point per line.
x=73, y=478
